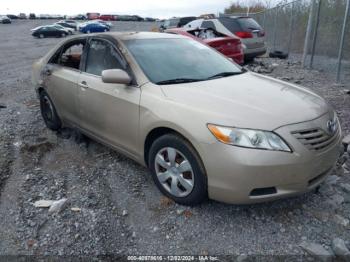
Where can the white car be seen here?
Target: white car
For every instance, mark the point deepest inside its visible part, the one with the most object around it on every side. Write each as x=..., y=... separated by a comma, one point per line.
x=246, y=28
x=67, y=29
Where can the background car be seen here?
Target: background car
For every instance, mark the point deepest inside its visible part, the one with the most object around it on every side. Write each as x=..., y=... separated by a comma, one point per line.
x=67, y=29
x=137, y=18
x=5, y=20
x=125, y=18
x=94, y=28
x=246, y=28
x=150, y=19
x=105, y=23
x=68, y=23
x=22, y=16
x=32, y=16
x=78, y=17
x=229, y=46
x=176, y=22
x=107, y=17
x=13, y=17
x=92, y=16
x=48, y=31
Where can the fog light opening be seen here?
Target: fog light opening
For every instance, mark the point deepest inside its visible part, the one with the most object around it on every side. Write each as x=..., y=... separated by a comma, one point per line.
x=263, y=191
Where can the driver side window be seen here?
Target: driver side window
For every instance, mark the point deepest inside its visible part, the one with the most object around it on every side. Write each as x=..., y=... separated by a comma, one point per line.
x=102, y=56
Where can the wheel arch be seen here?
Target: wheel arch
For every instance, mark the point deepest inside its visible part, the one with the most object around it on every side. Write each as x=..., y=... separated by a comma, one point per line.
x=157, y=132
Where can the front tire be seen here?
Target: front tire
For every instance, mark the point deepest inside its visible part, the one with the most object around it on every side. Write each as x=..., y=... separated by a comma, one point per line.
x=41, y=36
x=48, y=112
x=177, y=170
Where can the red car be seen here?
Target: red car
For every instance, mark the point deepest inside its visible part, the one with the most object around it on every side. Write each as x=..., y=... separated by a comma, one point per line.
x=92, y=16
x=227, y=45
x=108, y=17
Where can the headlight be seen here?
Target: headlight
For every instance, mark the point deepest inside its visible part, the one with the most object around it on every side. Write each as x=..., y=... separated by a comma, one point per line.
x=249, y=138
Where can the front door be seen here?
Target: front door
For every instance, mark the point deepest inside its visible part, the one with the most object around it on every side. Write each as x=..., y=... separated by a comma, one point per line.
x=61, y=79
x=108, y=111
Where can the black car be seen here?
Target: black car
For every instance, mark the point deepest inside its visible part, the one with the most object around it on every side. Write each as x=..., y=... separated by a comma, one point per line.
x=32, y=16
x=5, y=20
x=12, y=16
x=48, y=31
x=150, y=19
x=176, y=22
x=79, y=17
x=137, y=18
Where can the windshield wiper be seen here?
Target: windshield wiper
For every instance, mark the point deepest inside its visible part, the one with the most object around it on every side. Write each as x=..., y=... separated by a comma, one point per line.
x=178, y=81
x=225, y=74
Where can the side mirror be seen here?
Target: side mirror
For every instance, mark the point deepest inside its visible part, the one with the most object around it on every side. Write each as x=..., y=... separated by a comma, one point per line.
x=115, y=76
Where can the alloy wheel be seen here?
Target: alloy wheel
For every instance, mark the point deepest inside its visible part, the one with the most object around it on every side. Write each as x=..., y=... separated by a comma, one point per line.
x=174, y=172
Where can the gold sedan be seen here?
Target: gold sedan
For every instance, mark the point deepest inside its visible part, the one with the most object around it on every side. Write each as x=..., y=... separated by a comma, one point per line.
x=203, y=125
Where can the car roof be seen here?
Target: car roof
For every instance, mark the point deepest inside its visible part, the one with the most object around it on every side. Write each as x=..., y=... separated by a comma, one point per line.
x=135, y=35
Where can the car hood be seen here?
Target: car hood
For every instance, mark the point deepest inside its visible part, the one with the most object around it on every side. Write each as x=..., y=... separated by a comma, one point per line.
x=248, y=100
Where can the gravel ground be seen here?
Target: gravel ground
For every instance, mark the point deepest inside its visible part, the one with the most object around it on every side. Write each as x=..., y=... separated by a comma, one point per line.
x=113, y=208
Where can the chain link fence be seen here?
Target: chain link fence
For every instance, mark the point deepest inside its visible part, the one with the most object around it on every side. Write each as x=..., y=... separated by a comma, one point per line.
x=315, y=32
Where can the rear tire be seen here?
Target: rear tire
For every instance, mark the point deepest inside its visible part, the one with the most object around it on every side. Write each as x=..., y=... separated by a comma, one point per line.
x=278, y=54
x=48, y=112
x=193, y=176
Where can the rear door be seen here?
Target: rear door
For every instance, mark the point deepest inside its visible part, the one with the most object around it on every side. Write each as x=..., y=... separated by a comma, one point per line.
x=110, y=112
x=61, y=79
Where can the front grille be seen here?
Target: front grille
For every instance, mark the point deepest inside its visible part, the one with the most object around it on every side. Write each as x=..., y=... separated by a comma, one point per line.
x=315, y=139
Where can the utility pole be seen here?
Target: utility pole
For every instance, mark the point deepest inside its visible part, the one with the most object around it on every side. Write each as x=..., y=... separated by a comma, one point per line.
x=341, y=47
x=308, y=32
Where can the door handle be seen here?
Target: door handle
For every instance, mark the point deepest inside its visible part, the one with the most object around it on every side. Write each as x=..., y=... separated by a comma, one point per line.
x=83, y=84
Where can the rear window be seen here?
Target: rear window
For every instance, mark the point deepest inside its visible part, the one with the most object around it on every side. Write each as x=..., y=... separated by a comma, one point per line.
x=231, y=24
x=248, y=24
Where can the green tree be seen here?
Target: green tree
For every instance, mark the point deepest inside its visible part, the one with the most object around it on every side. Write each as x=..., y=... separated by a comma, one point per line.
x=252, y=6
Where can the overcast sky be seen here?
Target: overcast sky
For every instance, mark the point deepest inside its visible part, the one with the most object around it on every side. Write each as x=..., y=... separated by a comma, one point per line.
x=153, y=8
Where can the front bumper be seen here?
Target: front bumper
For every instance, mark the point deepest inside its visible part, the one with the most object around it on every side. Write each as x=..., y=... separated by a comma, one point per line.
x=241, y=175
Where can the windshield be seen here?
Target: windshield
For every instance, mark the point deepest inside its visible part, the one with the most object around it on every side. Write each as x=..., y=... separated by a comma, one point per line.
x=179, y=59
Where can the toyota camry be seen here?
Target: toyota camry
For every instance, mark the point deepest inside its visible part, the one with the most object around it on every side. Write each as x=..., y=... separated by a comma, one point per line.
x=204, y=126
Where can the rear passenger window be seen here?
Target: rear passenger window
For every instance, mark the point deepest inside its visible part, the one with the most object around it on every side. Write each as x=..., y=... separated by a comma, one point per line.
x=102, y=56
x=231, y=24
